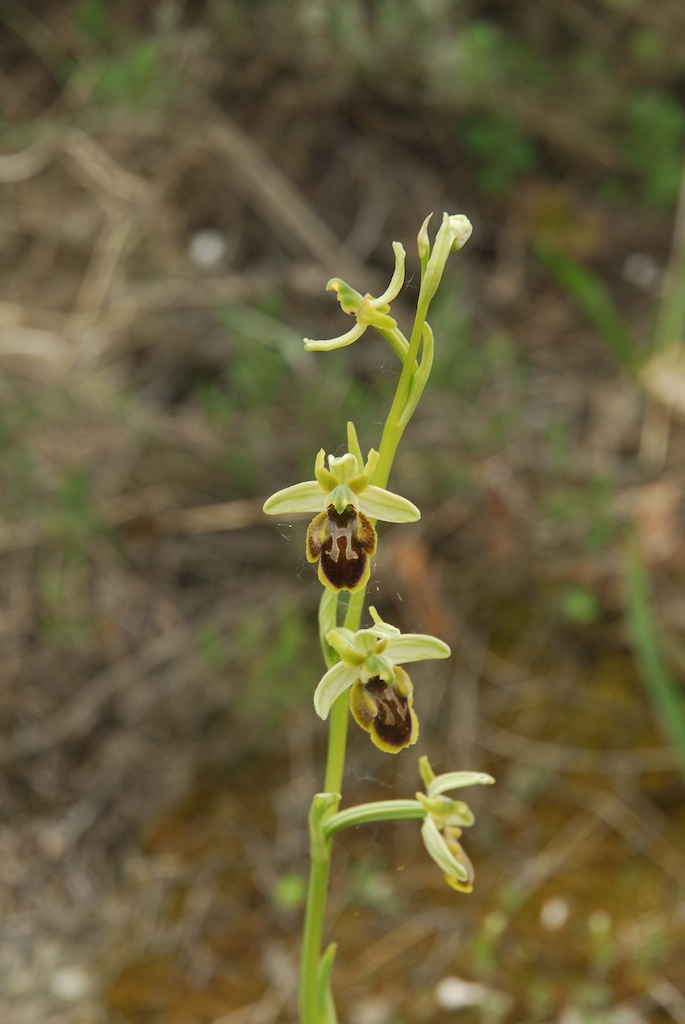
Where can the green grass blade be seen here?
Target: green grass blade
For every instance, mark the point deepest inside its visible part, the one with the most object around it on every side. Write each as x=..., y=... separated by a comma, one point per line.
x=587, y=290
x=663, y=690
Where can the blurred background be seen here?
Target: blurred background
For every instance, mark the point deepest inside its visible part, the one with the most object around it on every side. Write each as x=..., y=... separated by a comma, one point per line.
x=178, y=181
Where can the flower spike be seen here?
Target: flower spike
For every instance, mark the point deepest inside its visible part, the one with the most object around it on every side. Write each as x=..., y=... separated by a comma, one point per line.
x=342, y=537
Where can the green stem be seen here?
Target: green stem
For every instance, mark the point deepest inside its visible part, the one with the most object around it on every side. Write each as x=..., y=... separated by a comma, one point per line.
x=397, y=419
x=381, y=810
x=337, y=743
x=312, y=939
x=339, y=717
x=319, y=873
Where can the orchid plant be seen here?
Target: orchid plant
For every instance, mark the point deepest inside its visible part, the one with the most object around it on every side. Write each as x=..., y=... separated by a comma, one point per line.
x=363, y=673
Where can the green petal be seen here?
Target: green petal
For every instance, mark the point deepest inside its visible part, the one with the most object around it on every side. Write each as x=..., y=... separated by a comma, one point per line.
x=371, y=462
x=339, y=342
x=416, y=647
x=344, y=646
x=336, y=681
x=327, y=481
x=341, y=633
x=304, y=497
x=377, y=503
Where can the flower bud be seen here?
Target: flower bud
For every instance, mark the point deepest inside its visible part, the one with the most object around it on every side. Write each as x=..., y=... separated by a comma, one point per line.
x=461, y=230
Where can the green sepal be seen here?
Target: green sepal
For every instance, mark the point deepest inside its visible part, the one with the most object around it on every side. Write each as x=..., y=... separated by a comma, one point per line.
x=338, y=679
x=318, y=345
x=326, y=480
x=353, y=443
x=409, y=647
x=304, y=497
x=457, y=780
x=377, y=503
x=328, y=620
x=440, y=852
x=397, y=279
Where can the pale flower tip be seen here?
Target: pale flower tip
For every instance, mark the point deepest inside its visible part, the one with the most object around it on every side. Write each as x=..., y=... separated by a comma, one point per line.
x=461, y=230
x=425, y=770
x=321, y=711
x=269, y=506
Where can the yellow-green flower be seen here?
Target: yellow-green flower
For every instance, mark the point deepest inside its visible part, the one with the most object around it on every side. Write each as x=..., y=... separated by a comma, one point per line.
x=444, y=821
x=367, y=311
x=342, y=537
x=381, y=693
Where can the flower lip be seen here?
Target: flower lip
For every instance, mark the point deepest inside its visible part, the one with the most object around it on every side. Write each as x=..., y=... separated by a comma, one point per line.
x=384, y=710
x=342, y=543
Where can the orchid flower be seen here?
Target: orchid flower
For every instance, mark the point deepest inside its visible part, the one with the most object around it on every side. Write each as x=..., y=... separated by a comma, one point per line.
x=342, y=536
x=368, y=312
x=382, y=694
